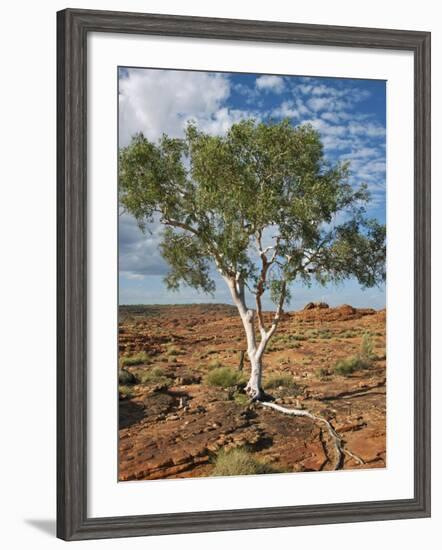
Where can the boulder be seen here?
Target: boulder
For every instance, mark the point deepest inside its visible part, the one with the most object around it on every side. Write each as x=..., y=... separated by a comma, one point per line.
x=316, y=305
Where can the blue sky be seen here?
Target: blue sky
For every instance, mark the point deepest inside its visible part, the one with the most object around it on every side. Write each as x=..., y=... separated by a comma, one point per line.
x=349, y=114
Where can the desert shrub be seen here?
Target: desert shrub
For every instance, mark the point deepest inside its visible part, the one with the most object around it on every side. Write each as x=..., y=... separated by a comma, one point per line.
x=350, y=364
x=239, y=462
x=277, y=380
x=274, y=346
x=138, y=359
x=224, y=377
x=346, y=366
x=348, y=334
x=125, y=377
x=241, y=399
x=156, y=375
x=290, y=338
x=125, y=391
x=363, y=360
x=366, y=352
x=297, y=337
x=214, y=364
x=172, y=351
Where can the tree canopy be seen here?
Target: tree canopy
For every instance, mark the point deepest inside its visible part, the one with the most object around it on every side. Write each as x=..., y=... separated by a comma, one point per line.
x=261, y=203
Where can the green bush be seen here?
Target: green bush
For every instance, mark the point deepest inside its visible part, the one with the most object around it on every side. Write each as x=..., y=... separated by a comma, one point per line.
x=139, y=359
x=363, y=360
x=157, y=375
x=214, y=364
x=277, y=380
x=241, y=399
x=125, y=391
x=290, y=338
x=239, y=462
x=367, y=347
x=224, y=377
x=350, y=365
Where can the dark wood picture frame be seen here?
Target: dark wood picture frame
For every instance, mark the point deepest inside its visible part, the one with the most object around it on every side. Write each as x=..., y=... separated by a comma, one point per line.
x=73, y=27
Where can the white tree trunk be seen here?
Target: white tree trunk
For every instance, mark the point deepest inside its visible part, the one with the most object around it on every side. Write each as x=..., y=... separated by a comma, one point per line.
x=254, y=385
x=255, y=352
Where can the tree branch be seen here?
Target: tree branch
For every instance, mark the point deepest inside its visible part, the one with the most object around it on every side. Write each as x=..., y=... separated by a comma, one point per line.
x=279, y=309
x=212, y=249
x=265, y=265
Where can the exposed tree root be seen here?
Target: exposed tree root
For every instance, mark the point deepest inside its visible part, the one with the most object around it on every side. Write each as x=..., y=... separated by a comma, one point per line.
x=336, y=438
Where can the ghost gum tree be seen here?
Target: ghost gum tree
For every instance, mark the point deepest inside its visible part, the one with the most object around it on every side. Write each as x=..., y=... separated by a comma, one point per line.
x=261, y=205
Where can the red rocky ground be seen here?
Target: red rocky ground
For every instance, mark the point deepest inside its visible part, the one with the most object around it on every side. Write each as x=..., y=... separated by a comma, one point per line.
x=173, y=423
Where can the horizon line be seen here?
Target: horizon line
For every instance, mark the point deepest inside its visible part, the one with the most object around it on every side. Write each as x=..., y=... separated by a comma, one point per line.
x=234, y=307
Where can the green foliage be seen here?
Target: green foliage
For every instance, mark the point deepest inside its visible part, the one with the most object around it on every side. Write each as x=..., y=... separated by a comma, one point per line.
x=224, y=377
x=214, y=364
x=278, y=380
x=188, y=260
x=367, y=347
x=348, y=333
x=349, y=365
x=239, y=462
x=156, y=375
x=322, y=334
x=220, y=196
x=125, y=391
x=138, y=359
x=241, y=399
x=296, y=337
x=292, y=339
x=363, y=360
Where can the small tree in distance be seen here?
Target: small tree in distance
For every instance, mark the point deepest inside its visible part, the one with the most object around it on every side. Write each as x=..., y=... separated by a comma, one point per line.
x=260, y=204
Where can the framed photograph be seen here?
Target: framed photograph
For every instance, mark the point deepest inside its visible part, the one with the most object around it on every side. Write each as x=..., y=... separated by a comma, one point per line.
x=243, y=274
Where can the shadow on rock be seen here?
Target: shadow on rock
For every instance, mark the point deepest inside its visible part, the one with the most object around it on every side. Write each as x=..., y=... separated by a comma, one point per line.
x=130, y=413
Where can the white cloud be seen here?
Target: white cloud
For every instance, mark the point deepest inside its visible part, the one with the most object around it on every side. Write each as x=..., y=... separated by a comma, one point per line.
x=368, y=129
x=362, y=153
x=331, y=117
x=161, y=101
x=223, y=119
x=321, y=89
x=269, y=82
x=318, y=103
x=291, y=109
x=286, y=110
x=138, y=253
